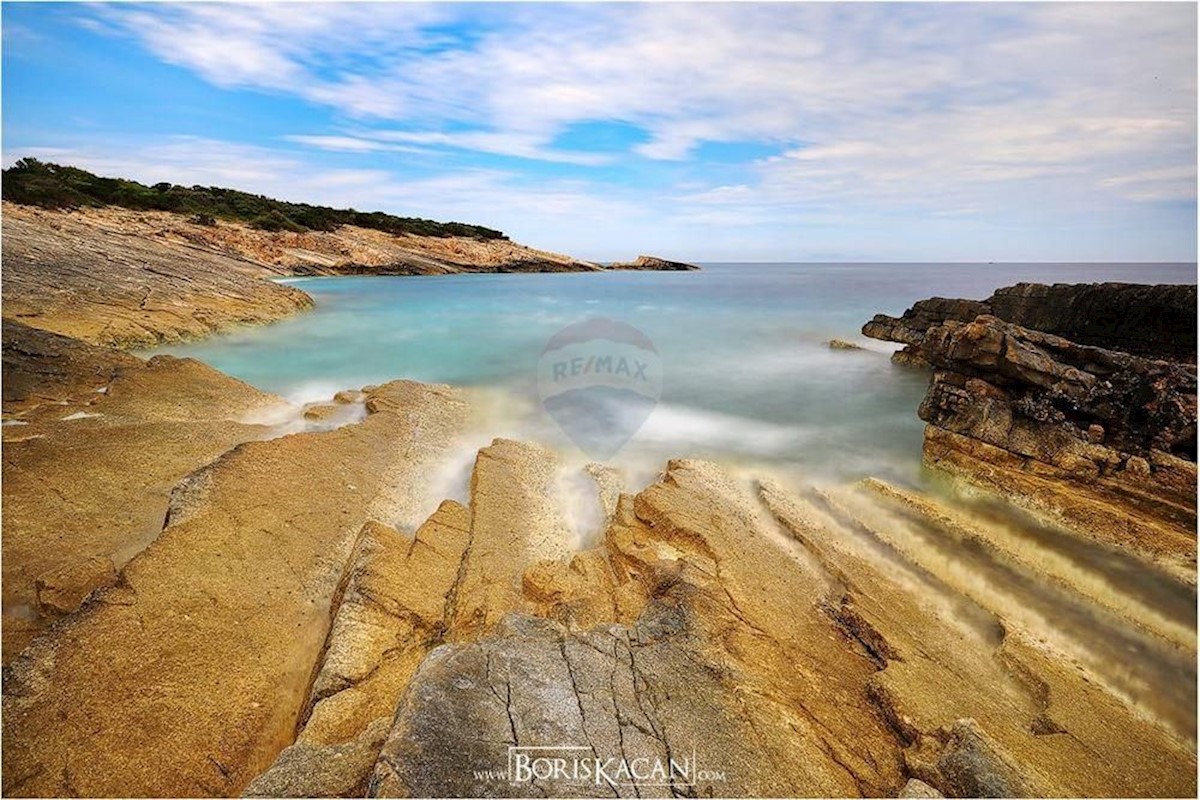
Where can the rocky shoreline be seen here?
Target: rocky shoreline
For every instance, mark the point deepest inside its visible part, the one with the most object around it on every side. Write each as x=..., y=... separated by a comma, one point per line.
x=132, y=279
x=1101, y=433
x=210, y=591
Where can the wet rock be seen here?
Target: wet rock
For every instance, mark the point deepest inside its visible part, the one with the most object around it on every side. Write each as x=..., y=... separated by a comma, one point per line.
x=202, y=652
x=910, y=356
x=347, y=396
x=841, y=344
x=1067, y=411
x=322, y=412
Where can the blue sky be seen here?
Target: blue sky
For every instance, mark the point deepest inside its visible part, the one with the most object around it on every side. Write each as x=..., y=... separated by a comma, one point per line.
x=782, y=131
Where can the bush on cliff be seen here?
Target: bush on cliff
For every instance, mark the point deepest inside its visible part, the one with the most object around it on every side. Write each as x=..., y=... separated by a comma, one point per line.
x=36, y=183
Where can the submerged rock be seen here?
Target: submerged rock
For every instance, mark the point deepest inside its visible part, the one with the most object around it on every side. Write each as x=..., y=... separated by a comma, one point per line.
x=841, y=344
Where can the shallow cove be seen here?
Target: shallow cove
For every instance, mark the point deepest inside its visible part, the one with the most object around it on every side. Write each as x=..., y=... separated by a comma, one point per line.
x=748, y=379
x=747, y=374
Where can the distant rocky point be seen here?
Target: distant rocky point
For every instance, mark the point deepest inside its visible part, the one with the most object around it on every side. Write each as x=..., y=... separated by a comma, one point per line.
x=653, y=263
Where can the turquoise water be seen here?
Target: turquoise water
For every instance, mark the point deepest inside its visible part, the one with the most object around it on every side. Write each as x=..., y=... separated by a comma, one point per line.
x=746, y=374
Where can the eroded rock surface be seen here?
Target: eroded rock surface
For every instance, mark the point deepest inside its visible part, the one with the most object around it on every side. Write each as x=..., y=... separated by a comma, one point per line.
x=190, y=674
x=723, y=634
x=348, y=250
x=104, y=286
x=94, y=442
x=1082, y=428
x=1154, y=321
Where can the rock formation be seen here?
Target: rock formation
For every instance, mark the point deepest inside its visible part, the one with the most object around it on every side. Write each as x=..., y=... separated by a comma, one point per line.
x=1093, y=434
x=277, y=631
x=348, y=250
x=1154, y=321
x=104, y=286
x=653, y=263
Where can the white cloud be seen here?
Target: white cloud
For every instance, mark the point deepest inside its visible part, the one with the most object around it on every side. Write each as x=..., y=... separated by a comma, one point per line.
x=998, y=92
x=960, y=112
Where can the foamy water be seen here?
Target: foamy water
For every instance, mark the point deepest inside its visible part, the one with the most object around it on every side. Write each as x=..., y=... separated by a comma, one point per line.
x=747, y=376
x=748, y=380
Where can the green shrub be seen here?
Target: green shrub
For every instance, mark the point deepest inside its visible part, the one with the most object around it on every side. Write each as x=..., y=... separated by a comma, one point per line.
x=33, y=182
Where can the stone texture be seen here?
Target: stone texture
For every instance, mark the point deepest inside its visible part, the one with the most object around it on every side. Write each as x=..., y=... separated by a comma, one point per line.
x=202, y=652
x=87, y=474
x=315, y=770
x=349, y=250
x=392, y=613
x=1018, y=410
x=514, y=523
x=979, y=700
x=1154, y=321
x=101, y=285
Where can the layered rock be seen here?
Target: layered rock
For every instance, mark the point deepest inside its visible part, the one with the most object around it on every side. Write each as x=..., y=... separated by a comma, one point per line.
x=65, y=275
x=94, y=442
x=278, y=634
x=1095, y=435
x=1115, y=431
x=653, y=263
x=190, y=674
x=348, y=250
x=1155, y=321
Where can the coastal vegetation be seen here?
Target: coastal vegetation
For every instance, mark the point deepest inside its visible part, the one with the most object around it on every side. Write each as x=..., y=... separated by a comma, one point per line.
x=33, y=182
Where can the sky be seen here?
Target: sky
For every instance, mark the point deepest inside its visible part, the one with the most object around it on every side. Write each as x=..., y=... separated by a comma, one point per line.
x=694, y=131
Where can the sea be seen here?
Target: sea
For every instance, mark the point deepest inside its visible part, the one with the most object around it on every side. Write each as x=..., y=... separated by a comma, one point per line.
x=730, y=363
x=743, y=368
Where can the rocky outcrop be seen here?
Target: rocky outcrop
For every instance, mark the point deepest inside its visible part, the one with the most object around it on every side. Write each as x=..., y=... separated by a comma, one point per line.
x=653, y=263
x=1154, y=321
x=94, y=441
x=722, y=633
x=348, y=250
x=190, y=673
x=1096, y=435
x=1021, y=411
x=107, y=287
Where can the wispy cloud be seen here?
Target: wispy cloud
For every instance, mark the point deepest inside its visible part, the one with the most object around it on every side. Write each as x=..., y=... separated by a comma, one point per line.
x=951, y=111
